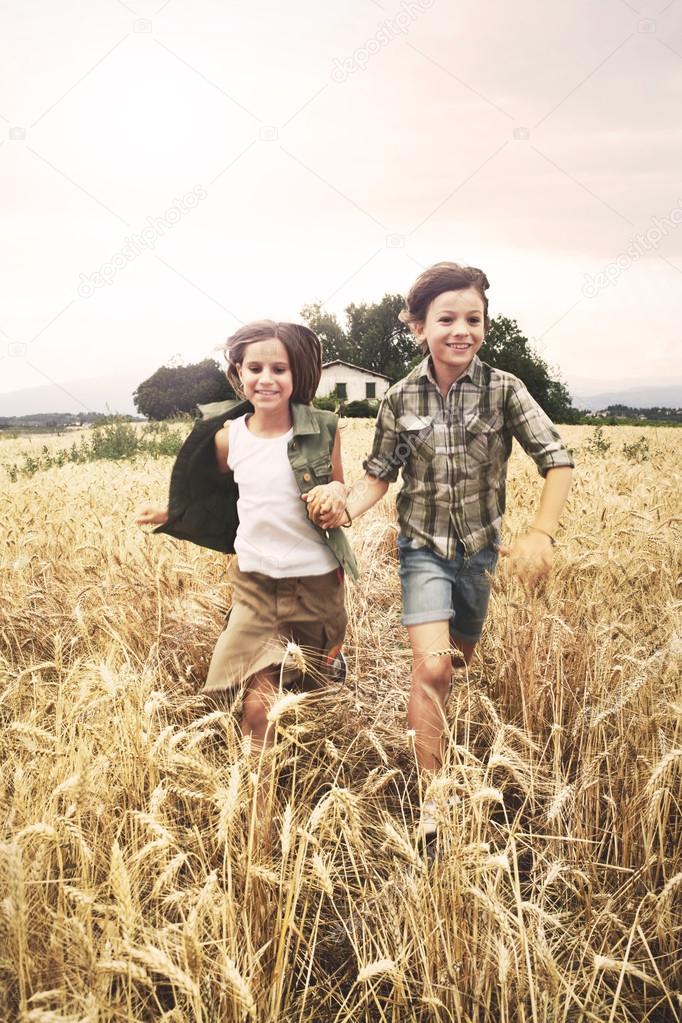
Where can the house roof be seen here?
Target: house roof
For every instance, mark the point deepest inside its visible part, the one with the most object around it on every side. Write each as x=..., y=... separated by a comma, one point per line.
x=351, y=365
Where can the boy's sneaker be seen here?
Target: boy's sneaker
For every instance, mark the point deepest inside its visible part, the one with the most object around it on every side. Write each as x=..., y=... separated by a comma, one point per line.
x=427, y=829
x=337, y=668
x=428, y=823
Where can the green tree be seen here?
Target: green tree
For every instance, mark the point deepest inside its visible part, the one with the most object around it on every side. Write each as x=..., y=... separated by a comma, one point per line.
x=329, y=331
x=378, y=338
x=506, y=348
x=176, y=389
x=373, y=336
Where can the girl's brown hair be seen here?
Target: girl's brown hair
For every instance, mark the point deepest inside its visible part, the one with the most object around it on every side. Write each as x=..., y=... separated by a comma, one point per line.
x=303, y=348
x=439, y=278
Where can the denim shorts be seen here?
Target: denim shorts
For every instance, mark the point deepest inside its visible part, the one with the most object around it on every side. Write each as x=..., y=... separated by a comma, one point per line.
x=437, y=589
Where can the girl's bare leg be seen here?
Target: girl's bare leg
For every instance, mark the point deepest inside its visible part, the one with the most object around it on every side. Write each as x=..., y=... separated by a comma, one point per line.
x=262, y=691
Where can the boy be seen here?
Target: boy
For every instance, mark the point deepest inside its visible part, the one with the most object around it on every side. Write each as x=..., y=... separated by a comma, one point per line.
x=449, y=426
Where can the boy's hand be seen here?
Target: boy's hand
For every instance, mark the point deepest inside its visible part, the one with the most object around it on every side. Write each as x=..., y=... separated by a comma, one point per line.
x=150, y=515
x=327, y=505
x=530, y=557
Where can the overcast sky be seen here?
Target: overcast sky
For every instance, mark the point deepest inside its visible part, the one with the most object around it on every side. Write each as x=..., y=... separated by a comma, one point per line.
x=218, y=162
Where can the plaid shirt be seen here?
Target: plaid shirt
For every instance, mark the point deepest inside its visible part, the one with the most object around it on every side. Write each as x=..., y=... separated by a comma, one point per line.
x=453, y=452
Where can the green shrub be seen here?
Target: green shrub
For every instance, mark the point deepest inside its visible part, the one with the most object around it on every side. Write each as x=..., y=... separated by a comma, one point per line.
x=112, y=439
x=598, y=444
x=359, y=410
x=638, y=451
x=328, y=402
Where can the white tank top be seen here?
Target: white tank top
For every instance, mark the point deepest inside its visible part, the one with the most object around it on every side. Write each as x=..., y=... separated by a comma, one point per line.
x=274, y=536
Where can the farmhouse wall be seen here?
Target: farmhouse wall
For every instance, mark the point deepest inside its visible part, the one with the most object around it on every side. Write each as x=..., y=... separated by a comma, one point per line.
x=354, y=379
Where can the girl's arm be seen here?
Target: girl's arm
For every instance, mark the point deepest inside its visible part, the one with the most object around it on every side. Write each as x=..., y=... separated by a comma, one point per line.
x=151, y=515
x=222, y=447
x=337, y=505
x=337, y=462
x=155, y=515
x=330, y=498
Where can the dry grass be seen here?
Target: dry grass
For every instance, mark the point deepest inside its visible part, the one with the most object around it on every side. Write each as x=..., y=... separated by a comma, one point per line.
x=135, y=882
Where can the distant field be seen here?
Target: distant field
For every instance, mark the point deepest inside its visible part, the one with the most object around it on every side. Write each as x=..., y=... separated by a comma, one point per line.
x=134, y=885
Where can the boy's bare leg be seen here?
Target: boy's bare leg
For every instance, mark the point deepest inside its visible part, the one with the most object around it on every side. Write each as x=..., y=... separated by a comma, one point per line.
x=431, y=673
x=462, y=652
x=261, y=693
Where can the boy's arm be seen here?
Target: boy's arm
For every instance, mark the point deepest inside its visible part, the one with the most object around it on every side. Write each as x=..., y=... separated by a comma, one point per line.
x=532, y=553
x=552, y=500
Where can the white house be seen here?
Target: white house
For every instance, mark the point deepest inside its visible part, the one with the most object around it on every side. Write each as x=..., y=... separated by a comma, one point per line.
x=351, y=383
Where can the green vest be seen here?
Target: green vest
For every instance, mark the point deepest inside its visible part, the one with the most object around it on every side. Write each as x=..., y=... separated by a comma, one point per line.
x=202, y=504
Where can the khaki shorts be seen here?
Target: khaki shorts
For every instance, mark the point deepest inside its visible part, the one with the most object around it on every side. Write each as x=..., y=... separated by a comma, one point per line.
x=268, y=613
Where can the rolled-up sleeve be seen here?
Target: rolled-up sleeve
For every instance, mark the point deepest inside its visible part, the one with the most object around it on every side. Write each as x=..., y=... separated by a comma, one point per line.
x=535, y=431
x=382, y=461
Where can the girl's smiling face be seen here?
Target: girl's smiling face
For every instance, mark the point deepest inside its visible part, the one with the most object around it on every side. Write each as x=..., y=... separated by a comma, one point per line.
x=453, y=331
x=266, y=376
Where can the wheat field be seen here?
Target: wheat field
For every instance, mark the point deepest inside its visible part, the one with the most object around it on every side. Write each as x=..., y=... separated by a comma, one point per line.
x=137, y=881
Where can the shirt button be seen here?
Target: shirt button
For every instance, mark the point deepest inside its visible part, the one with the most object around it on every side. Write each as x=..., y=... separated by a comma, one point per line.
x=306, y=477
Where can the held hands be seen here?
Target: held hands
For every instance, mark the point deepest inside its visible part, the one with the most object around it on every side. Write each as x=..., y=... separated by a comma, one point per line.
x=327, y=505
x=150, y=515
x=530, y=558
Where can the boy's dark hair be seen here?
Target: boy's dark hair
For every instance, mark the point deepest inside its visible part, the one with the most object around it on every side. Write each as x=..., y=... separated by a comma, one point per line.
x=439, y=278
x=303, y=348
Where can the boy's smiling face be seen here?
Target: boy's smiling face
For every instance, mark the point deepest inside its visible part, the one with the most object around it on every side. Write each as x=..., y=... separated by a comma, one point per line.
x=454, y=332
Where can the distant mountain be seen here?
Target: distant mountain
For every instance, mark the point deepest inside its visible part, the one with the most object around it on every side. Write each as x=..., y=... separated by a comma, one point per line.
x=112, y=393
x=634, y=397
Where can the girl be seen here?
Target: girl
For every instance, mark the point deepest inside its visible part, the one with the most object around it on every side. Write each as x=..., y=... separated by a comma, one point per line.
x=448, y=425
x=236, y=486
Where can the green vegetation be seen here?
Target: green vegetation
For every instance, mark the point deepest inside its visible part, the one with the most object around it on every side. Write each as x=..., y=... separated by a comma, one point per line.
x=659, y=415
x=375, y=339
x=638, y=451
x=177, y=389
x=329, y=403
x=114, y=439
x=506, y=348
x=597, y=444
x=46, y=422
x=362, y=409
x=587, y=419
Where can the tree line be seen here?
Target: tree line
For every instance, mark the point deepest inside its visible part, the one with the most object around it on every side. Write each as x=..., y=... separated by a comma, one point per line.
x=371, y=336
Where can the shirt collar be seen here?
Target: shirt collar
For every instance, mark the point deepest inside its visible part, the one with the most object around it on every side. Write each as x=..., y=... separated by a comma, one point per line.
x=474, y=371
